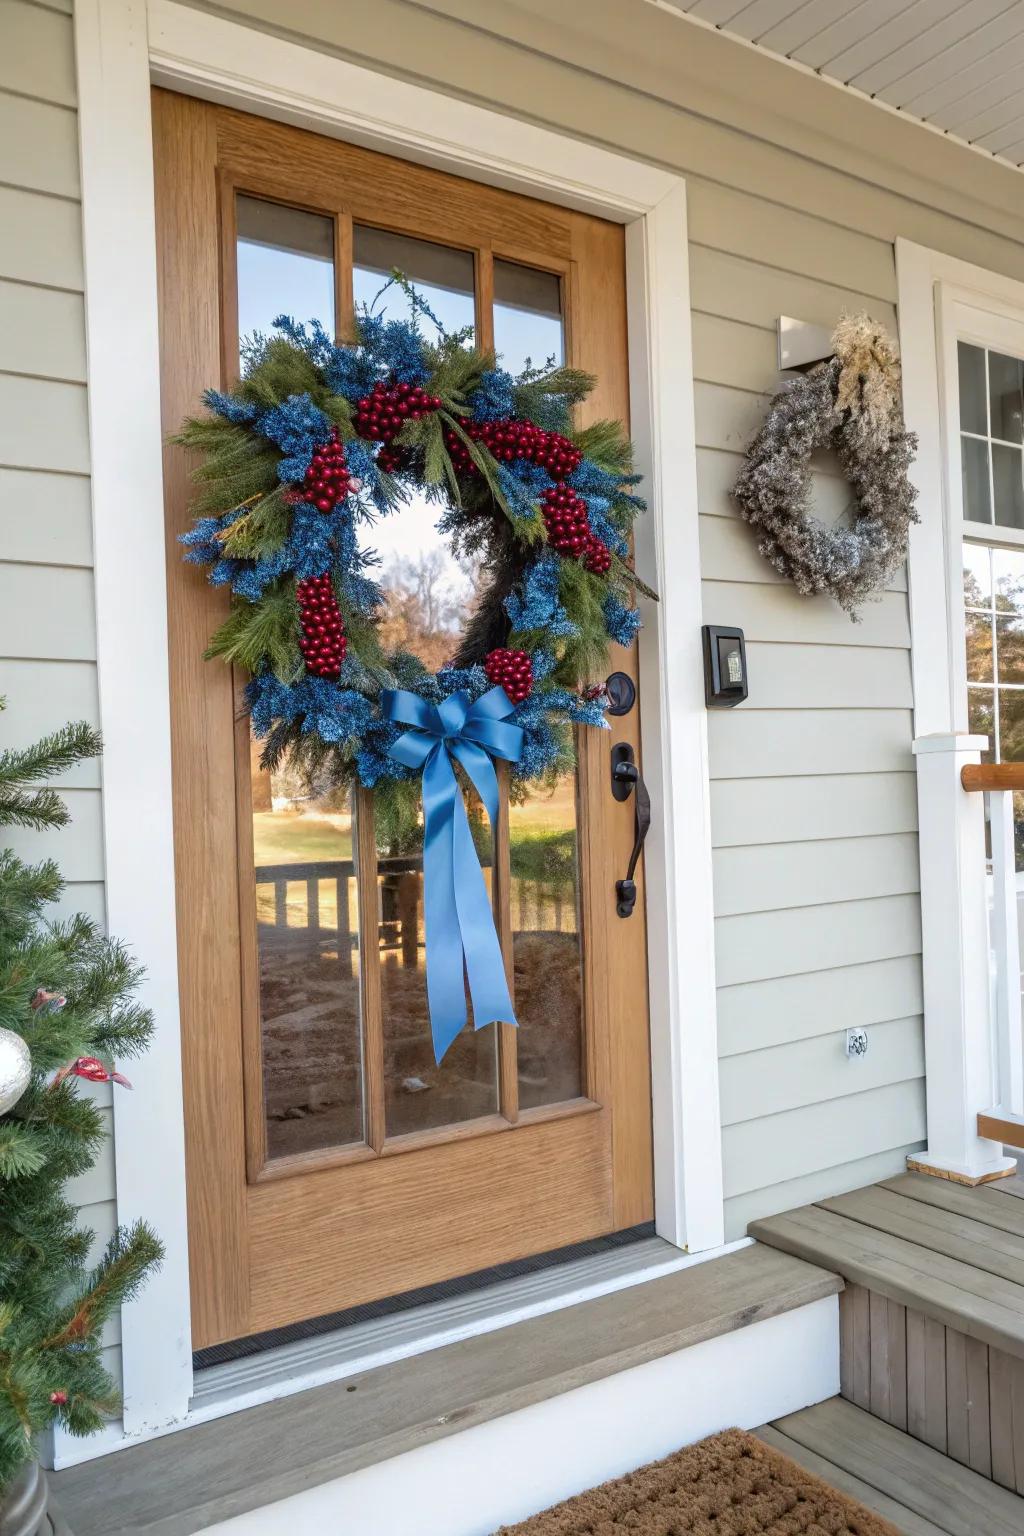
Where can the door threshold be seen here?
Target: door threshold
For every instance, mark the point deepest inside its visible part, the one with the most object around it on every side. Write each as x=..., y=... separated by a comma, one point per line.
x=314, y=1361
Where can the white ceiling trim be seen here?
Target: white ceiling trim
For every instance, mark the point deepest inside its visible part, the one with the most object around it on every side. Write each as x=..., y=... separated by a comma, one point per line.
x=955, y=67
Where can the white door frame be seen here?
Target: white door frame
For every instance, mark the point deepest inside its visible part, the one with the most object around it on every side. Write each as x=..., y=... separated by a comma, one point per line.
x=123, y=45
x=941, y=298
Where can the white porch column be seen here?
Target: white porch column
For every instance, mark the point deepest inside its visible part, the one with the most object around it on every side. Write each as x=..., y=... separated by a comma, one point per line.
x=957, y=1009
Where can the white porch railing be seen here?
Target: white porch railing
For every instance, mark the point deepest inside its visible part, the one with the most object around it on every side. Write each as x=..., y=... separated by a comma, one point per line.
x=974, y=1086
x=1005, y=1117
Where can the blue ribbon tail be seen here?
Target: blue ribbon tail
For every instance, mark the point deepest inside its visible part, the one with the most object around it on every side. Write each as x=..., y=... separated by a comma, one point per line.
x=461, y=941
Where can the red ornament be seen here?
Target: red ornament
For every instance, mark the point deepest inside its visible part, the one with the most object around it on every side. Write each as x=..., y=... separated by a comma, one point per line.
x=327, y=479
x=92, y=1069
x=59, y=1398
x=383, y=413
x=512, y=670
x=323, y=644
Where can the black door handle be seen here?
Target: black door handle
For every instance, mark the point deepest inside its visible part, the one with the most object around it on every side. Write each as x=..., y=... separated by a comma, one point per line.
x=628, y=780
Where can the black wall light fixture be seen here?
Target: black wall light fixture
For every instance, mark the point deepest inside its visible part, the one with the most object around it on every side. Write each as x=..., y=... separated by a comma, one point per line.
x=725, y=666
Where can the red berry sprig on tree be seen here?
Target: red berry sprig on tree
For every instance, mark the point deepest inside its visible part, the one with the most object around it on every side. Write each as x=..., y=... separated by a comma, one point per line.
x=382, y=413
x=328, y=479
x=512, y=670
x=323, y=644
x=597, y=557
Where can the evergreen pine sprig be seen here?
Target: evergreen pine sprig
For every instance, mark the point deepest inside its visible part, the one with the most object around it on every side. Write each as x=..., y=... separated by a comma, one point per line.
x=67, y=990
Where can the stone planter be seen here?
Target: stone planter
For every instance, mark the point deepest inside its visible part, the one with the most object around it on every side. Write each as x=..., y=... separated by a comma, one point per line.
x=23, y=1509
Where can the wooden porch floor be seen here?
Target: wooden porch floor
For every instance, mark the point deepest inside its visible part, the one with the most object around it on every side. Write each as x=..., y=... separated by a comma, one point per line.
x=920, y=1491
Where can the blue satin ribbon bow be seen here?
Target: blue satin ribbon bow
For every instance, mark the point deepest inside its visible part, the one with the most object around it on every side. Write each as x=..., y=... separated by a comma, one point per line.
x=457, y=909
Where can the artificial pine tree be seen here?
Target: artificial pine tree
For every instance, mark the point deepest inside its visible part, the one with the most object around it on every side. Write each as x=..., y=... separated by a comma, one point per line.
x=66, y=993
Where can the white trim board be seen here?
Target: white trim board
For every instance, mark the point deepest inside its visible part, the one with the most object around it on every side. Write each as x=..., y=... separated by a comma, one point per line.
x=122, y=45
x=485, y=1477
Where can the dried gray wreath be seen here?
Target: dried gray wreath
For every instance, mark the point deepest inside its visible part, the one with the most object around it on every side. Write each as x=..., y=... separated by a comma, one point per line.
x=851, y=403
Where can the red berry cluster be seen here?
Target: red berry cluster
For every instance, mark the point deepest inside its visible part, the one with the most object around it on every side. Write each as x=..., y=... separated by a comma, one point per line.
x=382, y=413
x=509, y=439
x=323, y=643
x=392, y=460
x=513, y=670
x=568, y=526
x=328, y=480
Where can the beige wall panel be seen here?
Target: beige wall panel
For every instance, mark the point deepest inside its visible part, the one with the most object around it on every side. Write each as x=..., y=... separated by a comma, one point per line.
x=41, y=240
x=38, y=146
x=729, y=552
x=45, y=519
x=42, y=331
x=787, y=811
x=780, y=613
x=46, y=611
x=763, y=743
x=734, y=353
x=76, y=847
x=804, y=874
x=788, y=1194
x=82, y=896
x=838, y=676
x=761, y=945
x=38, y=53
x=44, y=695
x=717, y=469
x=758, y=1014
x=761, y=1152
x=751, y=290
x=809, y=1071
x=43, y=425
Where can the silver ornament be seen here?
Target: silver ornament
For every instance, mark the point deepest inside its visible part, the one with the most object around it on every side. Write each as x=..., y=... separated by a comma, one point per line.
x=15, y=1069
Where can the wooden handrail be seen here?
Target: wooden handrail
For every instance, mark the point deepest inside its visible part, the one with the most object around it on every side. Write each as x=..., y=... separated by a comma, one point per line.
x=974, y=776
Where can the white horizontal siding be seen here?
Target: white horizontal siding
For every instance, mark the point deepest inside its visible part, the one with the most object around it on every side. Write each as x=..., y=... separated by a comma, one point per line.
x=759, y=946
x=757, y=743
x=47, y=623
x=776, y=875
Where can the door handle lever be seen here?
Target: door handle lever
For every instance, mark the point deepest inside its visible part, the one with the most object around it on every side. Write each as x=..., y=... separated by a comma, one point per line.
x=628, y=780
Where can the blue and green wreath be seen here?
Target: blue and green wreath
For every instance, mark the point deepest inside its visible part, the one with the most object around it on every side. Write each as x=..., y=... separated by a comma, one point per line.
x=299, y=459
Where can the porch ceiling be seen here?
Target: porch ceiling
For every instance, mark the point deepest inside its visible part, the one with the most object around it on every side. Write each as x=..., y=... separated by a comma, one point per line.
x=955, y=64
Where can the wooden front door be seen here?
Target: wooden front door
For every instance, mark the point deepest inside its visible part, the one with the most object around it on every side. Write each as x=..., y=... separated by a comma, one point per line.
x=330, y=1162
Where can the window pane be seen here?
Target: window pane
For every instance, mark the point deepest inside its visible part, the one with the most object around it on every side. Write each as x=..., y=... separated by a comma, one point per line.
x=1011, y=725
x=1004, y=378
x=971, y=365
x=285, y=265
x=546, y=944
x=527, y=317
x=977, y=576
x=1008, y=486
x=1010, y=650
x=1008, y=573
x=979, y=648
x=981, y=717
x=307, y=933
x=974, y=468
x=419, y=1094
x=441, y=275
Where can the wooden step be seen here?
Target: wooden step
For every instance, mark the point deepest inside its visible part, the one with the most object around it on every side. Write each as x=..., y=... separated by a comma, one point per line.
x=920, y=1491
x=964, y=1272
x=189, y=1480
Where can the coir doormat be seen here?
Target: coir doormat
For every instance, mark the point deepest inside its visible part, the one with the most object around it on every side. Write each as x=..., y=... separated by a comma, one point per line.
x=731, y=1484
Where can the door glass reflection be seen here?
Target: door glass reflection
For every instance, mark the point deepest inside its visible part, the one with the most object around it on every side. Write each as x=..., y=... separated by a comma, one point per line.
x=528, y=328
x=546, y=943
x=419, y=1094
x=285, y=262
x=308, y=939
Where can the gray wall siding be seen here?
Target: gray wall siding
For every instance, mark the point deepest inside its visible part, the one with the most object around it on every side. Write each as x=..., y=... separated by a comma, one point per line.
x=47, y=622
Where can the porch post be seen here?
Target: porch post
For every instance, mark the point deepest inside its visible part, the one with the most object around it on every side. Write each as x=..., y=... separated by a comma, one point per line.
x=957, y=1007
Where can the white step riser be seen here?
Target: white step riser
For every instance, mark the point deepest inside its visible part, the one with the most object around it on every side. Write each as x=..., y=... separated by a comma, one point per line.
x=477, y=1479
